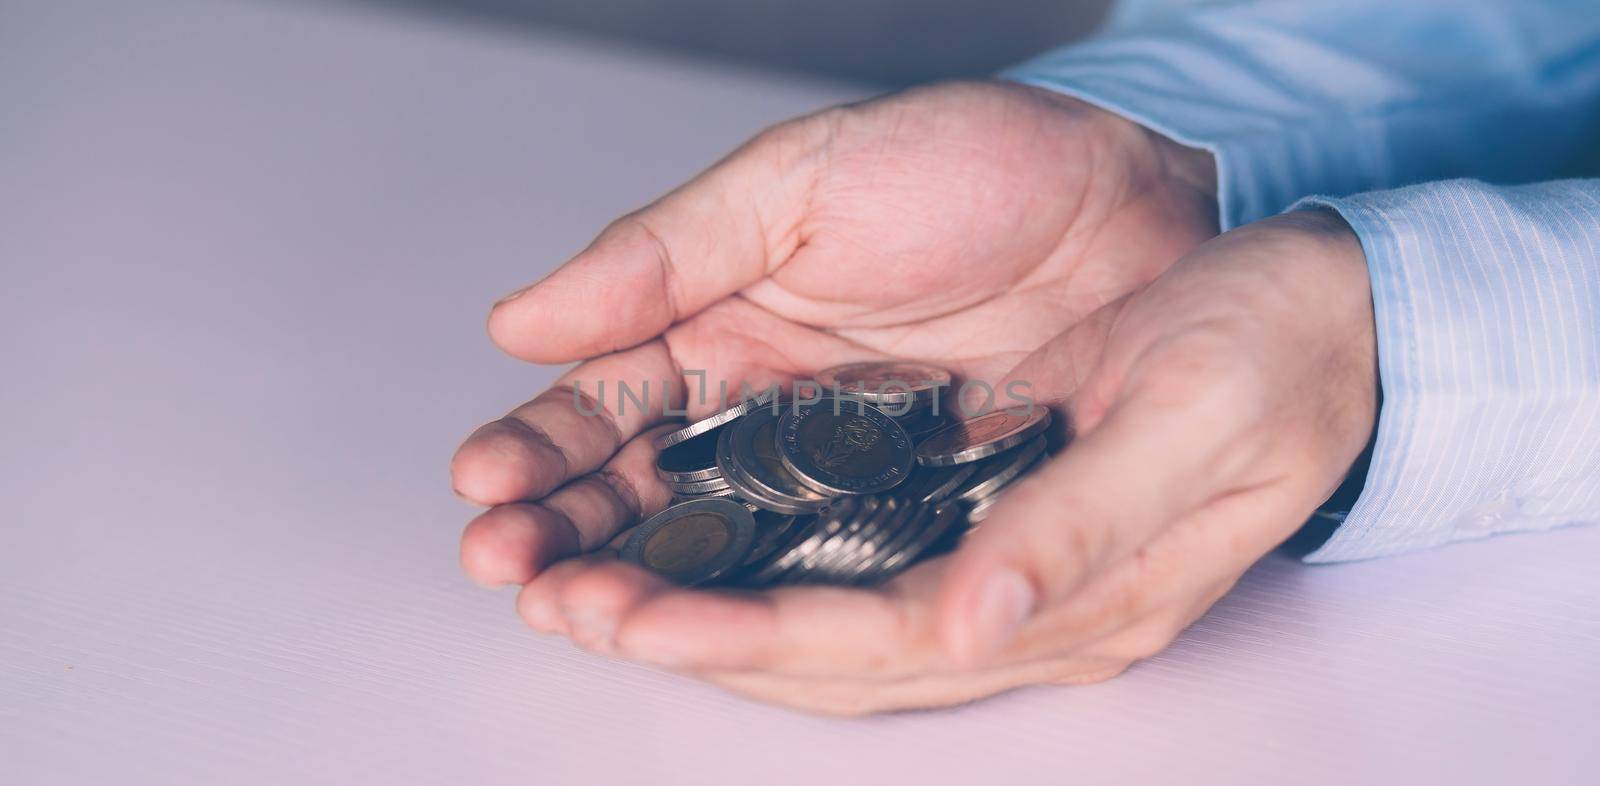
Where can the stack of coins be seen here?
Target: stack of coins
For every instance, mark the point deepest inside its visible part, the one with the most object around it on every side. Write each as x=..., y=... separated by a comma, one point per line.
x=851, y=488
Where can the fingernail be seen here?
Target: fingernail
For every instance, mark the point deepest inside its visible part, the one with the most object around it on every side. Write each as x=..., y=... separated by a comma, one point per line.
x=513, y=295
x=468, y=501
x=1005, y=600
x=591, y=630
x=664, y=652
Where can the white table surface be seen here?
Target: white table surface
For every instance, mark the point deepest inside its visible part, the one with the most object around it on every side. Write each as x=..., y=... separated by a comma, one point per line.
x=247, y=251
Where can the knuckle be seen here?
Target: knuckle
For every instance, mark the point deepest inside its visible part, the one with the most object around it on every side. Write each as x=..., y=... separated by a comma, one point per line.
x=621, y=491
x=523, y=435
x=1075, y=546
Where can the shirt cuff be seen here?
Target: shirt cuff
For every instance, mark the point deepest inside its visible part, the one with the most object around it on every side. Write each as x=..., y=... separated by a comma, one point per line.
x=1487, y=308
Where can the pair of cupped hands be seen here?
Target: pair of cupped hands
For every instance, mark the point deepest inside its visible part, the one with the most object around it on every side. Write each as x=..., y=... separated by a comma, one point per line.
x=1217, y=389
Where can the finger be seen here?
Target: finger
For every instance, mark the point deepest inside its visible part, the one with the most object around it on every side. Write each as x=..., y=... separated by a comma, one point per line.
x=735, y=349
x=856, y=697
x=717, y=234
x=1186, y=568
x=537, y=603
x=622, y=493
x=510, y=544
x=592, y=600
x=793, y=631
x=569, y=430
x=1145, y=464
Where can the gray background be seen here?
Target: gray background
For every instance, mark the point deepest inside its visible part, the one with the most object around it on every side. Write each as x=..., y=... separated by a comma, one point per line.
x=886, y=42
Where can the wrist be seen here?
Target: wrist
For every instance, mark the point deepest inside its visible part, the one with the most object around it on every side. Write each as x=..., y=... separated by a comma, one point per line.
x=1192, y=168
x=1335, y=295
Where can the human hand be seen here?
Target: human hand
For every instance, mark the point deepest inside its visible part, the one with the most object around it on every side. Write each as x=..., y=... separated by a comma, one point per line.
x=966, y=225
x=1214, y=410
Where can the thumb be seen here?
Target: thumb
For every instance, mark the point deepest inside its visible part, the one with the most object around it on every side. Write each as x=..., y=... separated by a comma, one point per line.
x=1140, y=468
x=716, y=234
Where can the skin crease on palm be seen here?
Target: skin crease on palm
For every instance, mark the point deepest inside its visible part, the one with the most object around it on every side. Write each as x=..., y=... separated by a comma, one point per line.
x=1005, y=233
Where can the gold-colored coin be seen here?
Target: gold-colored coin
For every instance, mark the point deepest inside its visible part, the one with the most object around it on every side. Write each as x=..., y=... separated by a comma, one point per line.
x=693, y=542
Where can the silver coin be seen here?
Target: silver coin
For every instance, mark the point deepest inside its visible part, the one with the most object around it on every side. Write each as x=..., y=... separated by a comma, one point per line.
x=726, y=493
x=888, y=383
x=944, y=516
x=994, y=474
x=938, y=483
x=771, y=530
x=981, y=437
x=980, y=509
x=728, y=415
x=843, y=447
x=811, y=564
x=701, y=486
x=872, y=540
x=907, y=529
x=859, y=543
x=820, y=527
x=759, y=572
x=832, y=568
x=748, y=489
x=695, y=542
x=690, y=460
x=748, y=454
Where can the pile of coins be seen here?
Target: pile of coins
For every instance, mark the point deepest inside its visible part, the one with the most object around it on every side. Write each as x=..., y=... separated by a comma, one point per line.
x=831, y=490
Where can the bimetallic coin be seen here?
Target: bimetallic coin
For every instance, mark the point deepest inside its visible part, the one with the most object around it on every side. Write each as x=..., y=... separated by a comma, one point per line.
x=887, y=383
x=734, y=412
x=694, y=542
x=744, y=490
x=982, y=436
x=700, y=486
x=690, y=460
x=996, y=473
x=837, y=446
x=748, y=456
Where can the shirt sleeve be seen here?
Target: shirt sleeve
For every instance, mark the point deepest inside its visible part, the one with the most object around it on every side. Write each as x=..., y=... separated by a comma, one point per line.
x=1487, y=302
x=1304, y=97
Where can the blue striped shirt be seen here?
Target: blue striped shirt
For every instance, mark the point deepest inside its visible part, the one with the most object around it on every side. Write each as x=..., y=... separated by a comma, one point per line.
x=1486, y=298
